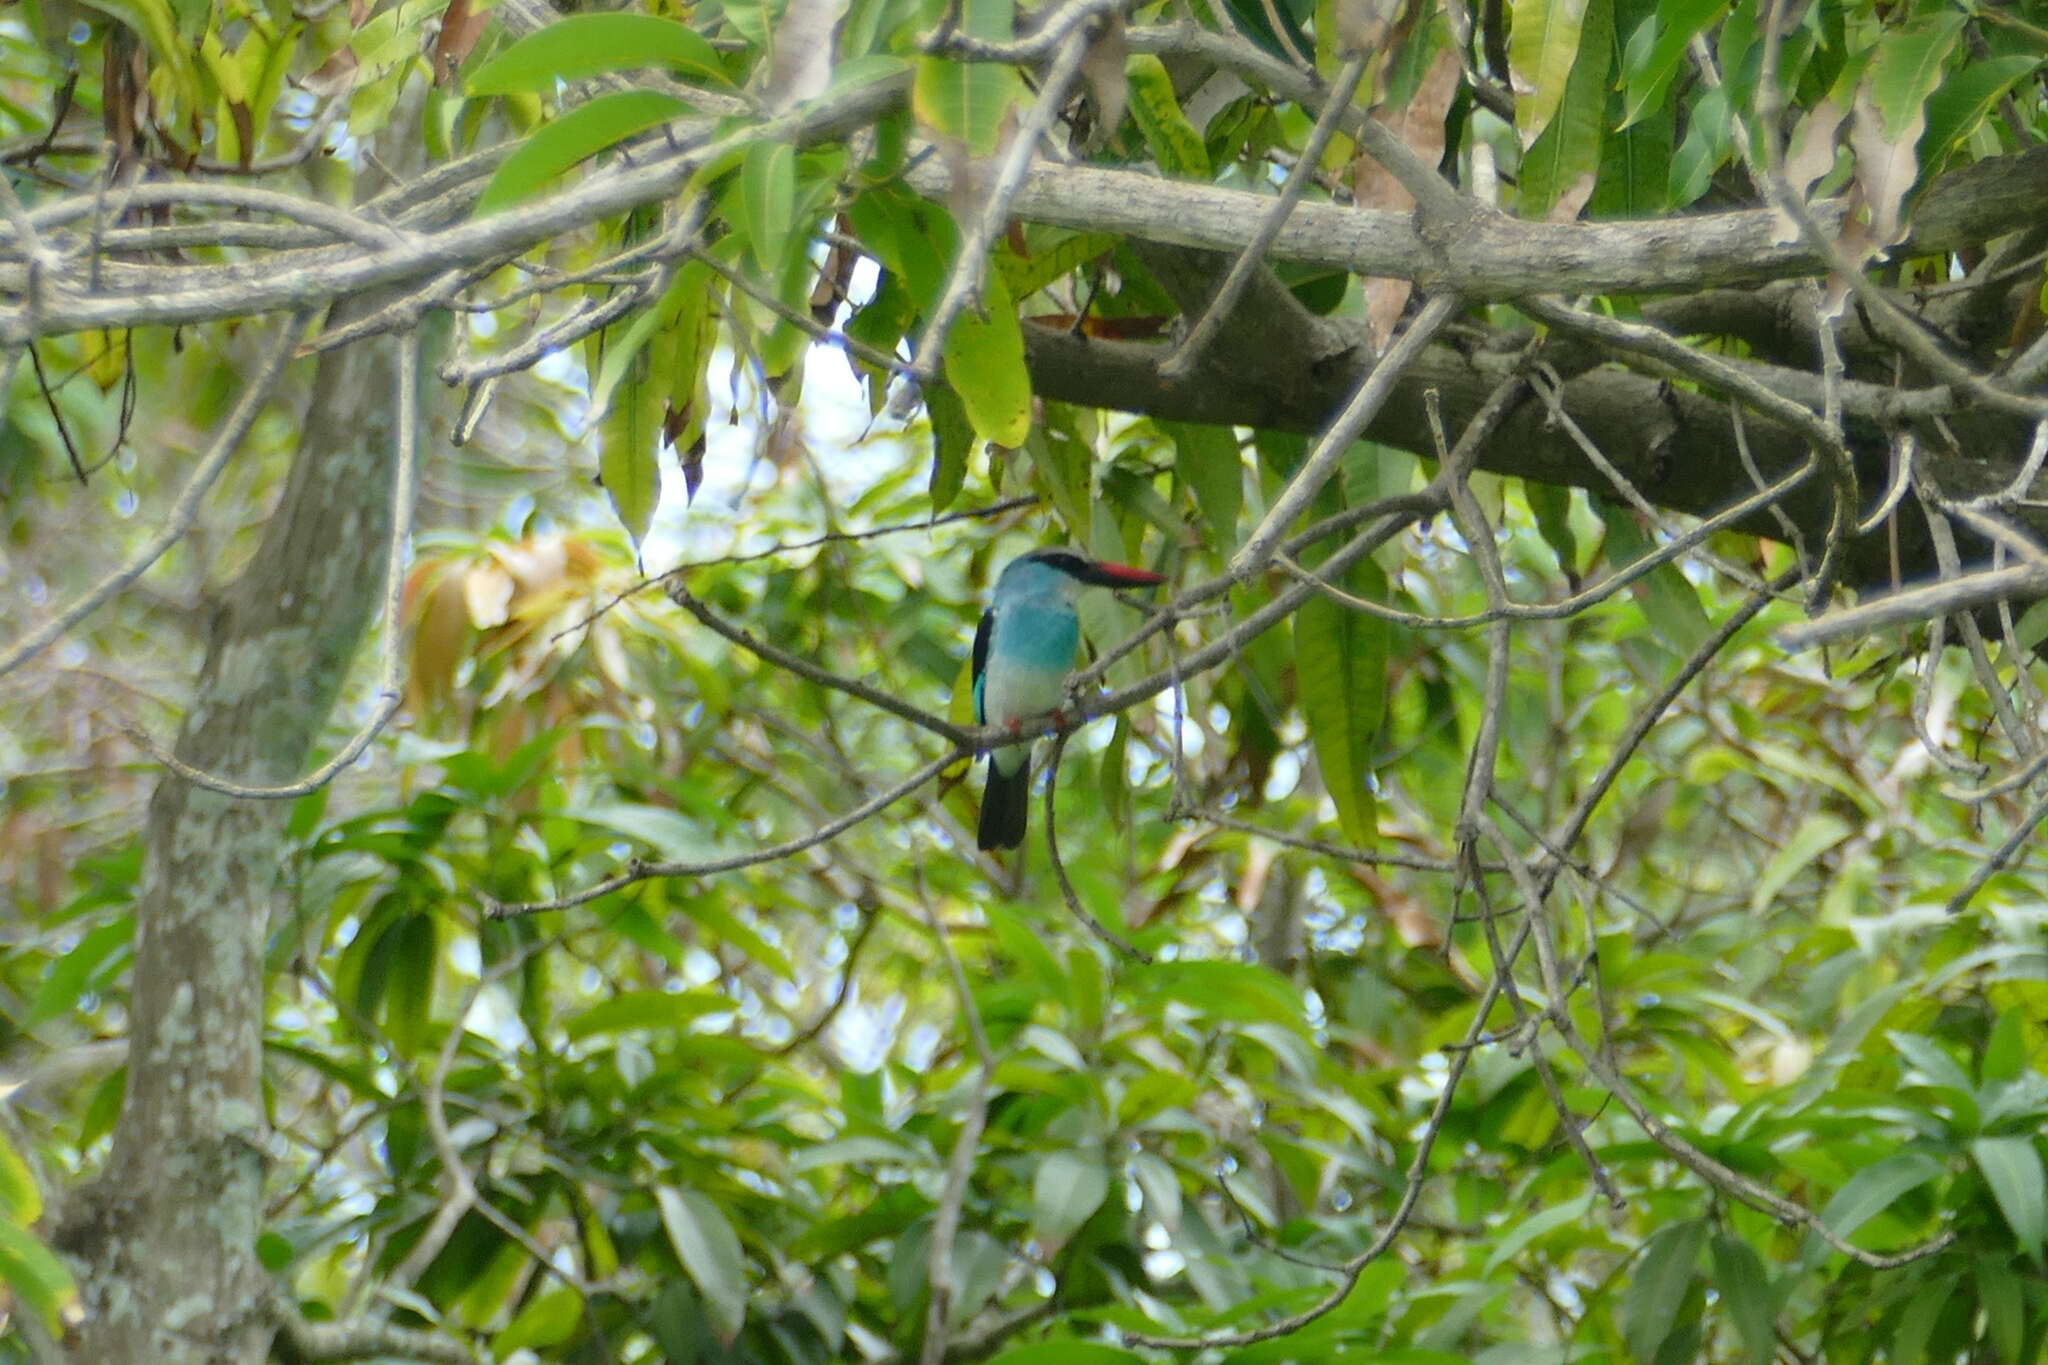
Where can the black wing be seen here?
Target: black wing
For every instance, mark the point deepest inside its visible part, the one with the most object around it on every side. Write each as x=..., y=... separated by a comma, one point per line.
x=981, y=633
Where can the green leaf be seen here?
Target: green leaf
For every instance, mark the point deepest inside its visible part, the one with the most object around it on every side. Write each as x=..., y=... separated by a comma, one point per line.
x=1816, y=834
x=1065, y=1193
x=583, y=132
x=2005, y=1052
x=37, y=1277
x=1176, y=144
x=1918, y=1320
x=710, y=1252
x=1241, y=992
x=969, y=101
x=659, y=1011
x=1209, y=462
x=1670, y=603
x=1543, y=45
x=1745, y=1289
x=20, y=1203
x=583, y=45
x=1535, y=1226
x=1552, y=506
x=768, y=194
x=625, y=404
x=629, y=447
x=1024, y=276
x=1340, y=668
x=952, y=444
x=1657, y=48
x=1908, y=65
x=2003, y=1299
x=1567, y=151
x=2012, y=1168
x=668, y=832
x=985, y=367
x=547, y=1319
x=1874, y=1188
x=67, y=979
x=413, y=947
x=1650, y=1308
x=1965, y=98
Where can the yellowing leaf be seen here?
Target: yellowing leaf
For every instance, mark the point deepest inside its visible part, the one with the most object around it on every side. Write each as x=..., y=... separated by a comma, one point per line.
x=985, y=366
x=1176, y=144
x=969, y=101
x=1543, y=43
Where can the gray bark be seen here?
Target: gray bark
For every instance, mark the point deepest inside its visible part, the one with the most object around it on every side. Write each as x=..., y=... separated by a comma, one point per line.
x=166, y=1237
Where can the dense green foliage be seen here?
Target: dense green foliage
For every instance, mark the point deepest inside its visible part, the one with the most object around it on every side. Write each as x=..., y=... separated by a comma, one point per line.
x=1621, y=1018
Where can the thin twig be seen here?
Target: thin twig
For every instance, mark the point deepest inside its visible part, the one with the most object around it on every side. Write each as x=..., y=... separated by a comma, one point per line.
x=1253, y=258
x=1322, y=461
x=255, y=394
x=995, y=209
x=1079, y=911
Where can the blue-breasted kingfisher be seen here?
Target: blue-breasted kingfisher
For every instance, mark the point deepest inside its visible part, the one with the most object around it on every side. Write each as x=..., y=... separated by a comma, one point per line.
x=1023, y=651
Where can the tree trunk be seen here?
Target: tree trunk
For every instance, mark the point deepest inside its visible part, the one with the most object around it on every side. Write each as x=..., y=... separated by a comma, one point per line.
x=167, y=1237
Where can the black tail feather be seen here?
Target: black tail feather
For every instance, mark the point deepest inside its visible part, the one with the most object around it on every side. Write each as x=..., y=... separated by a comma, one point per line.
x=1004, y=803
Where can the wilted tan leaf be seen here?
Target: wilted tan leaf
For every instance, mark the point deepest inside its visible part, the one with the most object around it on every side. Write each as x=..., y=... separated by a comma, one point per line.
x=1573, y=198
x=1107, y=87
x=1885, y=168
x=1420, y=124
x=1812, y=153
x=801, y=65
x=487, y=591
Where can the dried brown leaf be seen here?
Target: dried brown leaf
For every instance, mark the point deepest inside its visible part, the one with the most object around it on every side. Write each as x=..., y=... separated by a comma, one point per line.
x=1107, y=87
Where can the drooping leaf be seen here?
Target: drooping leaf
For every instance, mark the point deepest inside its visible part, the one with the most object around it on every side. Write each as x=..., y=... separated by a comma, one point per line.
x=2012, y=1168
x=1745, y=1289
x=1662, y=1276
x=768, y=195
x=1340, y=667
x=1908, y=65
x=1209, y=462
x=1176, y=144
x=985, y=367
x=1563, y=161
x=627, y=403
x=710, y=1252
x=952, y=443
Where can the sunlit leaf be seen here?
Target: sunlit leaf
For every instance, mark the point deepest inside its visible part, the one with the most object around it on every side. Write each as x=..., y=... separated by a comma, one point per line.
x=578, y=46
x=1065, y=1193
x=603, y=121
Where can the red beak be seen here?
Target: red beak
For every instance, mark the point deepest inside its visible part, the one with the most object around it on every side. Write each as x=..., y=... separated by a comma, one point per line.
x=1107, y=575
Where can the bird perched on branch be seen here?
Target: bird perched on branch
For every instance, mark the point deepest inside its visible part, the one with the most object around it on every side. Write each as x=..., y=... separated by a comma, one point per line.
x=1023, y=651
